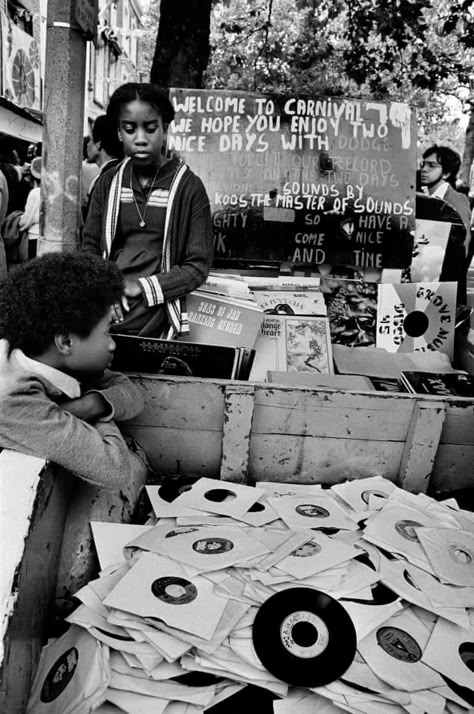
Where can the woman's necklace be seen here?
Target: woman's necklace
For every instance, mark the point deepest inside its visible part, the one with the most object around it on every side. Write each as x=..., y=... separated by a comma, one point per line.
x=142, y=222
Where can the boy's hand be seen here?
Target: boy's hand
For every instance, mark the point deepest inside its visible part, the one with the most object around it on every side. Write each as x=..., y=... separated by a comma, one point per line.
x=90, y=407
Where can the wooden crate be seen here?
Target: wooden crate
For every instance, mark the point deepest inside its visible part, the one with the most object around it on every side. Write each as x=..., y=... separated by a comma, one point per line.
x=235, y=431
x=244, y=431
x=33, y=503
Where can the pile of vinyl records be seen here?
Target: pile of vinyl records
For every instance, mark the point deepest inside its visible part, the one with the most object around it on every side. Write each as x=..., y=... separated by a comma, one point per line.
x=356, y=598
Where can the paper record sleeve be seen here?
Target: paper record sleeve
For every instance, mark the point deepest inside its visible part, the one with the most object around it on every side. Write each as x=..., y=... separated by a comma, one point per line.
x=157, y=587
x=394, y=651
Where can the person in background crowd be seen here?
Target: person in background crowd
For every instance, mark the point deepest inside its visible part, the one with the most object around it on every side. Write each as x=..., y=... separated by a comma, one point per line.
x=89, y=171
x=31, y=217
x=466, y=190
x=151, y=216
x=9, y=165
x=23, y=171
x=17, y=162
x=26, y=181
x=3, y=213
x=4, y=198
x=439, y=169
x=32, y=152
x=470, y=253
x=103, y=147
x=461, y=187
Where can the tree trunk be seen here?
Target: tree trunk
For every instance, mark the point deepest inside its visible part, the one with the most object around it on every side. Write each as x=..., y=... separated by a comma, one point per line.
x=468, y=154
x=182, y=44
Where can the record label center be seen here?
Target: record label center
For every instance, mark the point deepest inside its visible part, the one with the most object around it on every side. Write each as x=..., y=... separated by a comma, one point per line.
x=304, y=634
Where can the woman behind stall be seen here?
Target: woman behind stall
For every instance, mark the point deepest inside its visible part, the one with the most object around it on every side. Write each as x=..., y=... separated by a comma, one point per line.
x=151, y=216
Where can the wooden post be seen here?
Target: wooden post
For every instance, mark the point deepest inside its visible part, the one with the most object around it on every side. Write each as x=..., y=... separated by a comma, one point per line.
x=237, y=426
x=63, y=127
x=421, y=445
x=34, y=497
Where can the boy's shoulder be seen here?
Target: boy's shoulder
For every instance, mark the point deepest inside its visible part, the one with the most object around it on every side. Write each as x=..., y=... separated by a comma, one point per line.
x=16, y=379
x=24, y=399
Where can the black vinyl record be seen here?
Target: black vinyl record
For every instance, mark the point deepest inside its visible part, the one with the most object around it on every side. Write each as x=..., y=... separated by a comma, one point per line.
x=304, y=637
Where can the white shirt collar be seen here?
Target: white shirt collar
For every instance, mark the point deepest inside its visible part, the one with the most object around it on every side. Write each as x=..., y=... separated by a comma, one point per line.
x=64, y=382
x=440, y=191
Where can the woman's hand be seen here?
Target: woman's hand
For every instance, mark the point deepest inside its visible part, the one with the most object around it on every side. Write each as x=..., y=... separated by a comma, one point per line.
x=132, y=289
x=119, y=308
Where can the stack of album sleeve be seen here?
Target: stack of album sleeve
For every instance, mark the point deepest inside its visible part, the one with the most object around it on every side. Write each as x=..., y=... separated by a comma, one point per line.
x=356, y=598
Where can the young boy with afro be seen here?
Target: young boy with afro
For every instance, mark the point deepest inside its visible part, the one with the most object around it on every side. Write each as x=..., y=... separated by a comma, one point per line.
x=58, y=399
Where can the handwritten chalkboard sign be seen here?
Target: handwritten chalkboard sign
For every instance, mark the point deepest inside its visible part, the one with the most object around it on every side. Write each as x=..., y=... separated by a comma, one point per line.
x=301, y=180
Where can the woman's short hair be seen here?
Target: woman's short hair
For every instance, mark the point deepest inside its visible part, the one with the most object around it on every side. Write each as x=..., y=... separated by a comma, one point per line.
x=105, y=132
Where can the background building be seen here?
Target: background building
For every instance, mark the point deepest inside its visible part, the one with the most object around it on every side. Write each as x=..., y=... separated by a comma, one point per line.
x=21, y=77
x=111, y=60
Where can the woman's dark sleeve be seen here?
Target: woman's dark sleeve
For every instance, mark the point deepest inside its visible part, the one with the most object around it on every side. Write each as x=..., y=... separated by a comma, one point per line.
x=92, y=232
x=192, y=269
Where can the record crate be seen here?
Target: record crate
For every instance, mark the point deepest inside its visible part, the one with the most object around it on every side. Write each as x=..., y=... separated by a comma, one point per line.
x=235, y=431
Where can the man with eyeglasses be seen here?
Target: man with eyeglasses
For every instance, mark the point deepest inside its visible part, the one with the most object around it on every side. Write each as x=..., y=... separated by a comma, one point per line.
x=438, y=170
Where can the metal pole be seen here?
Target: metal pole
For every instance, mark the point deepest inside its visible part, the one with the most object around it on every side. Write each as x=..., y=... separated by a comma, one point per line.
x=63, y=129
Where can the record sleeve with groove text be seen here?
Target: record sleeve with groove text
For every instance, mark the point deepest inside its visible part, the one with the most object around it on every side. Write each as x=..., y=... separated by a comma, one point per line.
x=414, y=317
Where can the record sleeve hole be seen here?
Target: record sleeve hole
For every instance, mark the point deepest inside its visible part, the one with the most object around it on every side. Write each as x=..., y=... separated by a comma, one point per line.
x=169, y=491
x=365, y=495
x=466, y=652
x=183, y=489
x=304, y=634
x=256, y=508
x=461, y=555
x=115, y=637
x=218, y=495
x=416, y=323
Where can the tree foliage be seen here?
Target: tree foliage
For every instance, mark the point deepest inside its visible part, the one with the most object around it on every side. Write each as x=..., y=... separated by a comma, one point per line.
x=376, y=47
x=419, y=42
x=277, y=45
